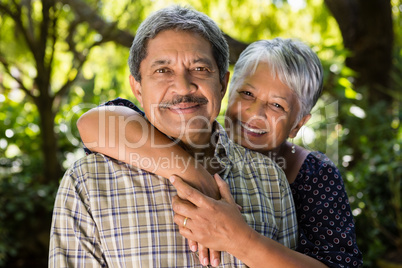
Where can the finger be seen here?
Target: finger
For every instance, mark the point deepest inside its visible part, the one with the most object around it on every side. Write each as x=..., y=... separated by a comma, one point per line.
x=224, y=189
x=185, y=191
x=215, y=257
x=183, y=207
x=203, y=255
x=193, y=245
x=186, y=232
x=181, y=221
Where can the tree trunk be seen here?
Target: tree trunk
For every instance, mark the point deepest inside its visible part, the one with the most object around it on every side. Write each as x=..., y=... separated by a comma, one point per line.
x=52, y=170
x=367, y=32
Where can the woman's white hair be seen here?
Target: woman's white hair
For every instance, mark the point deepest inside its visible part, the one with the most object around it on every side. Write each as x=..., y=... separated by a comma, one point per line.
x=295, y=64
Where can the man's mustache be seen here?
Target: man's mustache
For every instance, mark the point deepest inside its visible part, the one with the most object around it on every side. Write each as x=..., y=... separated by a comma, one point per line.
x=184, y=99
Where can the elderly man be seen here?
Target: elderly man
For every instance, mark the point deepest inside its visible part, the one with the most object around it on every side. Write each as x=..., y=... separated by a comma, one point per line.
x=112, y=214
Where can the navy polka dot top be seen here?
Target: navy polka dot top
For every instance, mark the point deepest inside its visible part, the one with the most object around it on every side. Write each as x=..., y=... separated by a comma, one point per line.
x=326, y=227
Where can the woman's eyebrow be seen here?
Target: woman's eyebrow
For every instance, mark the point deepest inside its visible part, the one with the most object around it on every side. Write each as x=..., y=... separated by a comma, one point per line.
x=281, y=97
x=250, y=85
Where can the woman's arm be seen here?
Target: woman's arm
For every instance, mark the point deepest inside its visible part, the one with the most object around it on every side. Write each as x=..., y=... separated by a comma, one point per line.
x=123, y=134
x=218, y=225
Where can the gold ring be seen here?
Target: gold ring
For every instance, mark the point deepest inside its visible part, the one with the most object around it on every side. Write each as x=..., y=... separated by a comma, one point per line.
x=185, y=222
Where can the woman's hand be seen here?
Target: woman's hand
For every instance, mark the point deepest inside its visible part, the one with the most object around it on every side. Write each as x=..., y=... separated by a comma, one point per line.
x=214, y=224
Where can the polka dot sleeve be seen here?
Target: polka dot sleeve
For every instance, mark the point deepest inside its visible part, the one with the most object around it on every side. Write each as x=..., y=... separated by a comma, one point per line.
x=326, y=227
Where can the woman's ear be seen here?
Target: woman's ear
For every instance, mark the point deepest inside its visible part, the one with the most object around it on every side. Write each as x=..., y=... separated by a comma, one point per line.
x=302, y=122
x=136, y=88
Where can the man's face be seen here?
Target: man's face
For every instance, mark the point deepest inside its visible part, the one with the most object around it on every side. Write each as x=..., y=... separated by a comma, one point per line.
x=180, y=90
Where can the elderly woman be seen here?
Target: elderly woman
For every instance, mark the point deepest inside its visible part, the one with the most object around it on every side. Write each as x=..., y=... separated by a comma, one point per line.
x=275, y=85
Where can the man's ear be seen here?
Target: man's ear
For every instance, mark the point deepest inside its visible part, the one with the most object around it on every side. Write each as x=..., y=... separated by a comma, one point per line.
x=136, y=89
x=224, y=84
x=302, y=122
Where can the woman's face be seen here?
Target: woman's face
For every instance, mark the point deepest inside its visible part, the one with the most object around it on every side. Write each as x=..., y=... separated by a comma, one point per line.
x=262, y=111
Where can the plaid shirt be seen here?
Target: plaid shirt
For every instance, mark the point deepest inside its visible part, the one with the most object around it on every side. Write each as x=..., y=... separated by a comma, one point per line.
x=110, y=214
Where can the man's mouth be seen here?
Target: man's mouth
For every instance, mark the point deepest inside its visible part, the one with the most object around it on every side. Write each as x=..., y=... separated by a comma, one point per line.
x=253, y=130
x=183, y=107
x=184, y=104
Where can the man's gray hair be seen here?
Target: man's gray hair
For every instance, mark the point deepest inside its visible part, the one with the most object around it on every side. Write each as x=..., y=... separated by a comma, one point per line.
x=183, y=19
x=295, y=64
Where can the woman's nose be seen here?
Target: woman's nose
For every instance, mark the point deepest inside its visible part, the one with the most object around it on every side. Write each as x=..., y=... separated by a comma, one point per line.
x=257, y=108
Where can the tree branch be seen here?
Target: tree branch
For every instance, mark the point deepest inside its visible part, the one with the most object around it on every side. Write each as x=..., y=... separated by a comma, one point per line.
x=53, y=38
x=78, y=62
x=110, y=32
x=235, y=48
x=16, y=17
x=17, y=79
x=65, y=88
x=28, y=5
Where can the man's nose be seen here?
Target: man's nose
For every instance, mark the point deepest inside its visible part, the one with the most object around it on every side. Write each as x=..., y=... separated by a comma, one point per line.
x=184, y=83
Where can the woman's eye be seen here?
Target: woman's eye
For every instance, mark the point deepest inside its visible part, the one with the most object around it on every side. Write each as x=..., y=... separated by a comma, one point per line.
x=276, y=105
x=246, y=93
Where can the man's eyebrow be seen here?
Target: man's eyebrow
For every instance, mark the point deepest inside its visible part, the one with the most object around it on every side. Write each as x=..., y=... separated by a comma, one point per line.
x=204, y=60
x=160, y=62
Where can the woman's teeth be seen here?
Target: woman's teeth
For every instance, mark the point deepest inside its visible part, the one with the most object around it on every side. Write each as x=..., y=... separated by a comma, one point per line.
x=254, y=130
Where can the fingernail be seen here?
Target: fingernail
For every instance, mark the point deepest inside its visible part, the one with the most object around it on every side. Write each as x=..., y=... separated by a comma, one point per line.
x=171, y=179
x=215, y=263
x=193, y=248
x=205, y=261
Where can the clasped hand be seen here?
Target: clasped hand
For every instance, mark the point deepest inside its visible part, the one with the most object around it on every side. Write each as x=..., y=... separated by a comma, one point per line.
x=210, y=225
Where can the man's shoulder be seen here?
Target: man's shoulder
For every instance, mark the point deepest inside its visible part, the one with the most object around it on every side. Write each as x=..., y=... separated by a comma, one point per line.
x=91, y=159
x=260, y=163
x=251, y=156
x=96, y=163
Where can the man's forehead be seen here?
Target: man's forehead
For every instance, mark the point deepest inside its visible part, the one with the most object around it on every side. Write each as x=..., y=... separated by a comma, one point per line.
x=170, y=46
x=192, y=59
x=185, y=40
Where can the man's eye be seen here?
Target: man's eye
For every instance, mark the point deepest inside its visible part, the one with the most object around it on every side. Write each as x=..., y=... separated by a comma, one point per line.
x=163, y=70
x=201, y=69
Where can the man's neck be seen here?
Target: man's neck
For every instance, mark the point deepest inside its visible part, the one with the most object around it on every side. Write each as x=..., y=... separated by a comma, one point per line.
x=202, y=148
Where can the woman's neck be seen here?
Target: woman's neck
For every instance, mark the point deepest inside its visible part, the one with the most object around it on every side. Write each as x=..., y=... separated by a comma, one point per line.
x=288, y=161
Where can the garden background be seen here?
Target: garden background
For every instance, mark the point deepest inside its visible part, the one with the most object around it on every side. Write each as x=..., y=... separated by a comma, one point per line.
x=59, y=58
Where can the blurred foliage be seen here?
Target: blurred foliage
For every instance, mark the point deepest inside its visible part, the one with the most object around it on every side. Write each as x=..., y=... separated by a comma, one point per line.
x=343, y=121
x=374, y=180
